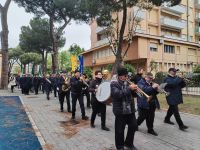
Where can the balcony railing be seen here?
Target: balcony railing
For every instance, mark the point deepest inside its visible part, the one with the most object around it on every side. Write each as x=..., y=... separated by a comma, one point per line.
x=179, y=9
x=102, y=42
x=172, y=23
x=175, y=38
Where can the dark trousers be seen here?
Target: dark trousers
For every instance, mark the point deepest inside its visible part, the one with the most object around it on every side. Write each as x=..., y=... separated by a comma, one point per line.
x=120, y=122
x=36, y=89
x=79, y=97
x=55, y=91
x=173, y=110
x=87, y=94
x=62, y=96
x=99, y=108
x=148, y=114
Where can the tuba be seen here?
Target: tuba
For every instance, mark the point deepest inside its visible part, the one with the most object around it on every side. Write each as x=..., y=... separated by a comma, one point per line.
x=66, y=85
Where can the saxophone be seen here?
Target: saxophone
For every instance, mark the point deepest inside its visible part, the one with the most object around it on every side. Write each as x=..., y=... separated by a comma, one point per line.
x=66, y=85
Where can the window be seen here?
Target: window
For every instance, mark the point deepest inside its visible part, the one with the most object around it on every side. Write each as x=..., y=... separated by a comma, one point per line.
x=169, y=49
x=153, y=47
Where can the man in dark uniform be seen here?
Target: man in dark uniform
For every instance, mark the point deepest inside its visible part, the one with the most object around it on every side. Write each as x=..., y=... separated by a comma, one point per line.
x=86, y=89
x=76, y=94
x=36, y=83
x=124, y=110
x=64, y=91
x=174, y=86
x=47, y=85
x=97, y=107
x=146, y=108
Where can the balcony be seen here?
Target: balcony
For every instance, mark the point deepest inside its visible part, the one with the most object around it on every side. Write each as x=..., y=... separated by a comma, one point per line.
x=172, y=23
x=102, y=42
x=178, y=9
x=197, y=4
x=139, y=14
x=100, y=30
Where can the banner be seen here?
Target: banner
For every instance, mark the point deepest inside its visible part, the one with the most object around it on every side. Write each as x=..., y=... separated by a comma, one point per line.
x=74, y=62
x=81, y=63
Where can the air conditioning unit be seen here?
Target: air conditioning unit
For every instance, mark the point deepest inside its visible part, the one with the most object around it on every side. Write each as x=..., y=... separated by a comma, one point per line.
x=161, y=41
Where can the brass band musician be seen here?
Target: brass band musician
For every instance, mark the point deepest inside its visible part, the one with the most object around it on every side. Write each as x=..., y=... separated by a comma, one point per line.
x=146, y=108
x=64, y=91
x=85, y=89
x=174, y=86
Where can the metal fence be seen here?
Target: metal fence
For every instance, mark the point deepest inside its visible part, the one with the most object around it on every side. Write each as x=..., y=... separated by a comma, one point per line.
x=191, y=91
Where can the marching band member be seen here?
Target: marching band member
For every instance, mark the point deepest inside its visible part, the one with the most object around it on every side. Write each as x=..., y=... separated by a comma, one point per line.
x=47, y=85
x=76, y=94
x=86, y=89
x=174, y=86
x=64, y=91
x=139, y=75
x=124, y=110
x=146, y=109
x=97, y=107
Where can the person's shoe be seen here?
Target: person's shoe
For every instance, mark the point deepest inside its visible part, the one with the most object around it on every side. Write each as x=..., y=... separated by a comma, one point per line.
x=152, y=132
x=69, y=111
x=92, y=125
x=73, y=118
x=168, y=122
x=85, y=118
x=130, y=148
x=183, y=127
x=105, y=128
x=61, y=110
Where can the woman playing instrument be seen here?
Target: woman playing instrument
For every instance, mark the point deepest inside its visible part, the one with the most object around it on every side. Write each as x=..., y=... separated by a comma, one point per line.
x=97, y=107
x=146, y=108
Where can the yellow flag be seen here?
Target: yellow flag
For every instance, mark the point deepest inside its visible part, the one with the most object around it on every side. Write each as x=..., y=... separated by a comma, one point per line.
x=74, y=62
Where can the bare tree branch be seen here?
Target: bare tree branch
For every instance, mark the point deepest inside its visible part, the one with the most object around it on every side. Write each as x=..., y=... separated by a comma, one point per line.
x=7, y=4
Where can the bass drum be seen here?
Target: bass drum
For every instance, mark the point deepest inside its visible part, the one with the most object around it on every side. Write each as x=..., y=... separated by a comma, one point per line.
x=103, y=93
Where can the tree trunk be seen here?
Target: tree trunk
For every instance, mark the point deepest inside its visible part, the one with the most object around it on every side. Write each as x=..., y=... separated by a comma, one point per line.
x=55, y=46
x=118, y=59
x=4, y=45
x=43, y=64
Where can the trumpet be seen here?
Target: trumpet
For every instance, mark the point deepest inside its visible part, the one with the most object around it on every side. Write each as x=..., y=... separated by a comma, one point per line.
x=139, y=91
x=82, y=79
x=161, y=87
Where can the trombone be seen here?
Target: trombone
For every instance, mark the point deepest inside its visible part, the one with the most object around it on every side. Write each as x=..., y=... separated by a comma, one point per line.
x=139, y=91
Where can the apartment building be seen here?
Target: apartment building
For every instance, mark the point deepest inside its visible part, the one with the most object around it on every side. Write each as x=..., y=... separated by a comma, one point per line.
x=169, y=36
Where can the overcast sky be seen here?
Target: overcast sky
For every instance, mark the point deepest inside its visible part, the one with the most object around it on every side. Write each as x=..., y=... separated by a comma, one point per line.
x=17, y=17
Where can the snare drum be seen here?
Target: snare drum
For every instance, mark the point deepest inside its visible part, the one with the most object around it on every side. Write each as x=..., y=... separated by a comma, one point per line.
x=103, y=93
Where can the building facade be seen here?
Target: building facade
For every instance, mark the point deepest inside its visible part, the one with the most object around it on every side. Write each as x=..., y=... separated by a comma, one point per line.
x=168, y=36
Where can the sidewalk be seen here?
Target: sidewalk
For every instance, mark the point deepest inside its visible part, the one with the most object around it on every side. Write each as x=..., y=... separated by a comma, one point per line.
x=60, y=134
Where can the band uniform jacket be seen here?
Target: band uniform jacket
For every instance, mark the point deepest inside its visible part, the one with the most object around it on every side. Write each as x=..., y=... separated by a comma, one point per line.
x=174, y=87
x=149, y=90
x=120, y=94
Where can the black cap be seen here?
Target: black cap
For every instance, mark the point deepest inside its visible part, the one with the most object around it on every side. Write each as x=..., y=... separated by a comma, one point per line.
x=173, y=69
x=122, y=71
